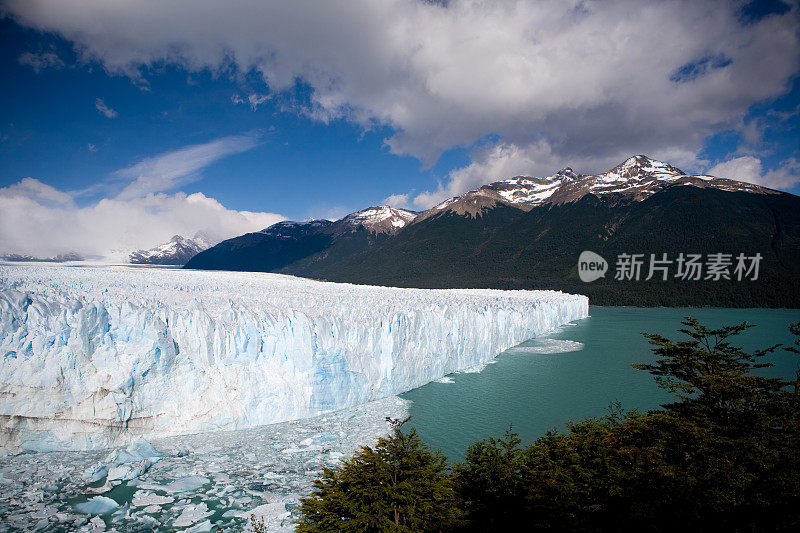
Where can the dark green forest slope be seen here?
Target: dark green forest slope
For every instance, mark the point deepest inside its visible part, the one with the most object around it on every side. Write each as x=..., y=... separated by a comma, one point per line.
x=505, y=247
x=508, y=248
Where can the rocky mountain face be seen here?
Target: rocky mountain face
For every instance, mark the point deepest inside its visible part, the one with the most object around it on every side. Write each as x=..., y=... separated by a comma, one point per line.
x=285, y=242
x=527, y=232
x=635, y=179
x=380, y=219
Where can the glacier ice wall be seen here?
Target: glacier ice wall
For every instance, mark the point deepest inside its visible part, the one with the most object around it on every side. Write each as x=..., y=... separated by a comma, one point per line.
x=93, y=356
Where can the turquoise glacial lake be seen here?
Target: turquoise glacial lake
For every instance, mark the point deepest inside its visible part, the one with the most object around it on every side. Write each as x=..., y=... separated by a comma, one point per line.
x=537, y=387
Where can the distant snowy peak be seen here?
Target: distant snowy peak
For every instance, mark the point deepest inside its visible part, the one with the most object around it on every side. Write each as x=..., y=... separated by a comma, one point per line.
x=636, y=178
x=380, y=219
x=177, y=251
x=60, y=258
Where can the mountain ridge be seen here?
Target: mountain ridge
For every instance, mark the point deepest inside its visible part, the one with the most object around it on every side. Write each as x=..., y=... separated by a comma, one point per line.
x=527, y=233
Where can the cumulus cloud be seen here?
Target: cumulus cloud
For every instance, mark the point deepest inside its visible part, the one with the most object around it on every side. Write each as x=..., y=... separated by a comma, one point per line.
x=401, y=201
x=494, y=161
x=749, y=168
x=41, y=61
x=35, y=190
x=588, y=76
x=39, y=220
x=104, y=110
x=566, y=82
x=170, y=170
x=490, y=163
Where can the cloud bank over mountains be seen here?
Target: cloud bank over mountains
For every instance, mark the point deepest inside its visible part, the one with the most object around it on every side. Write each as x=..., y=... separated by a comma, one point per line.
x=543, y=83
x=137, y=210
x=38, y=220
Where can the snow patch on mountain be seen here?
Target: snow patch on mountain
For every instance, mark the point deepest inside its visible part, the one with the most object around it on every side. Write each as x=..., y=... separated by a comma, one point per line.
x=177, y=251
x=636, y=178
x=380, y=219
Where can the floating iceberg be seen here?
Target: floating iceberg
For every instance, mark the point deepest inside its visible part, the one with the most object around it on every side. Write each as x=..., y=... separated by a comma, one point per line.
x=235, y=474
x=97, y=505
x=547, y=346
x=96, y=356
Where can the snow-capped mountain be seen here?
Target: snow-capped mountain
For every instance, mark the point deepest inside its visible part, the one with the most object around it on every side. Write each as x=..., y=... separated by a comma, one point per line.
x=177, y=251
x=380, y=219
x=60, y=258
x=527, y=233
x=635, y=179
x=284, y=242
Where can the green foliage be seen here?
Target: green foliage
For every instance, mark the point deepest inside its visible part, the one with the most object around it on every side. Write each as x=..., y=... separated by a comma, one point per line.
x=490, y=483
x=707, y=371
x=400, y=485
x=725, y=456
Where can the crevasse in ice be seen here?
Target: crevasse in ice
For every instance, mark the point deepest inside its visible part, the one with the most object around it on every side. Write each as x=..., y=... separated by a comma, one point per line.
x=95, y=356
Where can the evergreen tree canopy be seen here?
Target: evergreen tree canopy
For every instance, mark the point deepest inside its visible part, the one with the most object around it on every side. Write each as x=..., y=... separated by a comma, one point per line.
x=725, y=456
x=399, y=485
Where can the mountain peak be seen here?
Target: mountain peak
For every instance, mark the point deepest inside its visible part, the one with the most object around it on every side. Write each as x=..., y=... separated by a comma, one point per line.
x=566, y=173
x=636, y=178
x=381, y=218
x=642, y=164
x=177, y=251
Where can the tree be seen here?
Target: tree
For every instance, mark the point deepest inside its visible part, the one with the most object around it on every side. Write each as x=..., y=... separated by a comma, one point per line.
x=490, y=483
x=400, y=485
x=725, y=456
x=709, y=375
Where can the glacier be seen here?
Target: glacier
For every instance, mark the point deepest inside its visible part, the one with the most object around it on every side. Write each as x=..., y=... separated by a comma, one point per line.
x=97, y=356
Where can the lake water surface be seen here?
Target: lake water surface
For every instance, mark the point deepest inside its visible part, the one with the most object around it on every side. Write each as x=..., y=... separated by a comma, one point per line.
x=533, y=389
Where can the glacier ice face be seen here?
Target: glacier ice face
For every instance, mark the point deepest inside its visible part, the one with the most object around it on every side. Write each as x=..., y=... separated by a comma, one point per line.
x=95, y=356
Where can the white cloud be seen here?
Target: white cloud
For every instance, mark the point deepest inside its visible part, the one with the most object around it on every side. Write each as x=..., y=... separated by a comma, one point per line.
x=588, y=78
x=39, y=220
x=745, y=168
x=104, y=110
x=35, y=190
x=500, y=160
x=253, y=100
x=489, y=163
x=172, y=169
x=40, y=61
x=401, y=201
x=91, y=147
x=567, y=82
x=749, y=168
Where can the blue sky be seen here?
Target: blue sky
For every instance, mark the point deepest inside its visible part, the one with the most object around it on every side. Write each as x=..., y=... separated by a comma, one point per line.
x=299, y=167
x=122, y=112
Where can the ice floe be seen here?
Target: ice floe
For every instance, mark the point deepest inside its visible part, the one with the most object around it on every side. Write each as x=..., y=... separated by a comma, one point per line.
x=199, y=482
